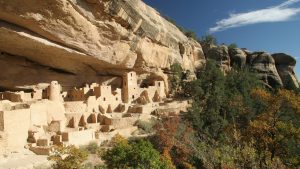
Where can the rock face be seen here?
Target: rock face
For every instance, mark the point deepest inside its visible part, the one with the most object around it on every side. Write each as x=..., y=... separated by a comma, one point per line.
x=264, y=64
x=285, y=65
x=85, y=41
x=221, y=56
x=82, y=39
x=275, y=70
x=238, y=57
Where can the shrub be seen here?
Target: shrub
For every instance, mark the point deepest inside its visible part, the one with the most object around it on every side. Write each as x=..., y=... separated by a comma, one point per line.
x=209, y=39
x=92, y=148
x=68, y=157
x=176, y=79
x=147, y=126
x=191, y=34
x=232, y=46
x=137, y=154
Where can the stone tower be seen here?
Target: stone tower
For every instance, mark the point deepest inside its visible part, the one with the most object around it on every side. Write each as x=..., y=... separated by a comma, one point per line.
x=130, y=87
x=54, y=91
x=160, y=85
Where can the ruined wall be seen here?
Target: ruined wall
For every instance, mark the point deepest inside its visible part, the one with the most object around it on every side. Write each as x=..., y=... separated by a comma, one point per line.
x=79, y=138
x=16, y=126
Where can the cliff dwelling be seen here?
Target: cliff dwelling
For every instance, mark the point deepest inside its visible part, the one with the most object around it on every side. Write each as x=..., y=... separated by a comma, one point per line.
x=51, y=116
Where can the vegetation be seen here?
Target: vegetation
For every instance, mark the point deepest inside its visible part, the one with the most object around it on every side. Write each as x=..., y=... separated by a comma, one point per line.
x=209, y=39
x=234, y=122
x=232, y=46
x=91, y=148
x=176, y=78
x=68, y=157
x=239, y=124
x=134, y=154
x=147, y=126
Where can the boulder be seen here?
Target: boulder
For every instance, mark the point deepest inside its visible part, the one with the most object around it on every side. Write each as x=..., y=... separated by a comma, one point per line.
x=237, y=57
x=221, y=56
x=264, y=64
x=285, y=65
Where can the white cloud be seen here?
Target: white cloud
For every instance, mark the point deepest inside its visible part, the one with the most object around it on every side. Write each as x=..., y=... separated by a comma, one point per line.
x=277, y=13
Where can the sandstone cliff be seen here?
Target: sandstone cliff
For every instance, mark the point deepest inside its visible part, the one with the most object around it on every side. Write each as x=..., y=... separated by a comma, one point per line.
x=275, y=70
x=81, y=41
x=85, y=41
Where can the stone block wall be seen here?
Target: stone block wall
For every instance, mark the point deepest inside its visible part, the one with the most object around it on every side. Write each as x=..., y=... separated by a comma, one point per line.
x=15, y=129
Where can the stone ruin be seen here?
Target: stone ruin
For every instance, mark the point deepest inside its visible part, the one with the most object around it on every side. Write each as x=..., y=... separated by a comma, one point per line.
x=45, y=117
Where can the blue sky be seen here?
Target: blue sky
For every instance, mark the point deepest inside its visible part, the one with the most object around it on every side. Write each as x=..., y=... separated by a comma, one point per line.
x=268, y=25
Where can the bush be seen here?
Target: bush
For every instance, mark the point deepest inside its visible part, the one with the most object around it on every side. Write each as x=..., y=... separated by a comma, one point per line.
x=147, y=126
x=232, y=46
x=137, y=154
x=209, y=39
x=91, y=166
x=68, y=157
x=176, y=79
x=92, y=148
x=191, y=34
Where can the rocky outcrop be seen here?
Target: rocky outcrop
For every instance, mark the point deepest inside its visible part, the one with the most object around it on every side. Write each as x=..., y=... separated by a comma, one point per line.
x=238, y=57
x=91, y=38
x=264, y=64
x=275, y=70
x=221, y=56
x=285, y=65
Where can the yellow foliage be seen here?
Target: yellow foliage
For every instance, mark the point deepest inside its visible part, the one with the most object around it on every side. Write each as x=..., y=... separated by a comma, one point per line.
x=118, y=139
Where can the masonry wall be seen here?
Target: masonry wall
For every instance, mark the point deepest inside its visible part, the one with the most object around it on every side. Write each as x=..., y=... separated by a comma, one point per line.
x=16, y=126
x=78, y=138
x=106, y=97
x=130, y=87
x=39, y=114
x=75, y=107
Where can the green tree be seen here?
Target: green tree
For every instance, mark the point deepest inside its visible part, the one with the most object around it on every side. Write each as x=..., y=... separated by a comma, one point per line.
x=143, y=155
x=176, y=77
x=208, y=96
x=118, y=156
x=68, y=157
x=138, y=154
x=209, y=39
x=239, y=105
x=221, y=111
x=191, y=34
x=232, y=46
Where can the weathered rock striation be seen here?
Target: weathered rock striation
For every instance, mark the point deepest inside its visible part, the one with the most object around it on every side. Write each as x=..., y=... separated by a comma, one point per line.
x=86, y=41
x=238, y=57
x=285, y=65
x=264, y=64
x=80, y=39
x=221, y=56
x=275, y=70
